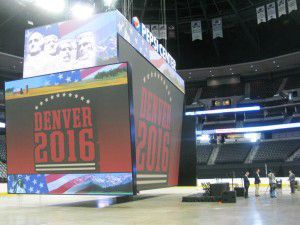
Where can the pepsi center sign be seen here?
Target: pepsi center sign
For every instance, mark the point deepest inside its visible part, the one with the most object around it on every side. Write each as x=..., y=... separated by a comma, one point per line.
x=152, y=40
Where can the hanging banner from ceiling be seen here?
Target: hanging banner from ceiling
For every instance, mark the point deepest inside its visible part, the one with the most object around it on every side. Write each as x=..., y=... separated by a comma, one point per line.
x=154, y=30
x=261, y=14
x=171, y=31
x=292, y=5
x=271, y=11
x=163, y=31
x=217, y=27
x=196, y=30
x=281, y=7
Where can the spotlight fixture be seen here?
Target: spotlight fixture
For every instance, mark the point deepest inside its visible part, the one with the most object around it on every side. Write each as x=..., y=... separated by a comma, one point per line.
x=109, y=3
x=82, y=10
x=204, y=138
x=253, y=137
x=30, y=22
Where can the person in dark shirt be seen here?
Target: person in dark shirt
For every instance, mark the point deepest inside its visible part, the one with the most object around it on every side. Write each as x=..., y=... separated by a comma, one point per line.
x=292, y=181
x=257, y=182
x=246, y=184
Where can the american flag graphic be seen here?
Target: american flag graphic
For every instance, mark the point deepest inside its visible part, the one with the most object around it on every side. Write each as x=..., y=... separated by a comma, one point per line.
x=79, y=75
x=63, y=77
x=70, y=183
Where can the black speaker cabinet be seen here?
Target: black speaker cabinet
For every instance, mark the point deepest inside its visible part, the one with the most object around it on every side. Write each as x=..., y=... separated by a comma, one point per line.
x=229, y=197
x=240, y=191
x=218, y=189
x=201, y=198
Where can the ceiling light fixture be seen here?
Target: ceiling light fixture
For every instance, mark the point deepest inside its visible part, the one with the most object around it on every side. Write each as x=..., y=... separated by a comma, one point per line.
x=82, y=11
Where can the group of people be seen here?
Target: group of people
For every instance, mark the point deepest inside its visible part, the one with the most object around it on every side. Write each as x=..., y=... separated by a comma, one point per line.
x=272, y=183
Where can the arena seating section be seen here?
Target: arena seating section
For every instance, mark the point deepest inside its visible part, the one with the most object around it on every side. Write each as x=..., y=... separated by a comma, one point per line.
x=233, y=153
x=268, y=151
x=264, y=88
x=259, y=89
x=232, y=158
x=293, y=82
x=273, y=151
x=190, y=94
x=2, y=148
x=3, y=172
x=203, y=153
x=278, y=149
x=223, y=91
x=3, y=167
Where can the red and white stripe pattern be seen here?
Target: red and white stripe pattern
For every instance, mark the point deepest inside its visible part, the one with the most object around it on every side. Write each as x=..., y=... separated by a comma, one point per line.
x=90, y=73
x=67, y=183
x=155, y=58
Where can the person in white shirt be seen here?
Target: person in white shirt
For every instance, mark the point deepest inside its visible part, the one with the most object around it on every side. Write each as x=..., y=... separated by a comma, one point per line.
x=272, y=183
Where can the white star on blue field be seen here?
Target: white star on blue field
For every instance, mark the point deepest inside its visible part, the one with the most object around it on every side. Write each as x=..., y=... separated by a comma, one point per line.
x=43, y=81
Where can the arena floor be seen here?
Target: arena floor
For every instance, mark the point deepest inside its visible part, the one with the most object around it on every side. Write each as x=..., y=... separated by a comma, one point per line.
x=157, y=207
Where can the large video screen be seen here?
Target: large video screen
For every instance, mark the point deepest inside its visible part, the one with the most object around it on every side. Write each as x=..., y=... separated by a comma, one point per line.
x=69, y=133
x=158, y=110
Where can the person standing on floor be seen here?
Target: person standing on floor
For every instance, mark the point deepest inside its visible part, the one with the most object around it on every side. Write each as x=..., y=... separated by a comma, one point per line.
x=292, y=181
x=272, y=183
x=257, y=182
x=246, y=184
